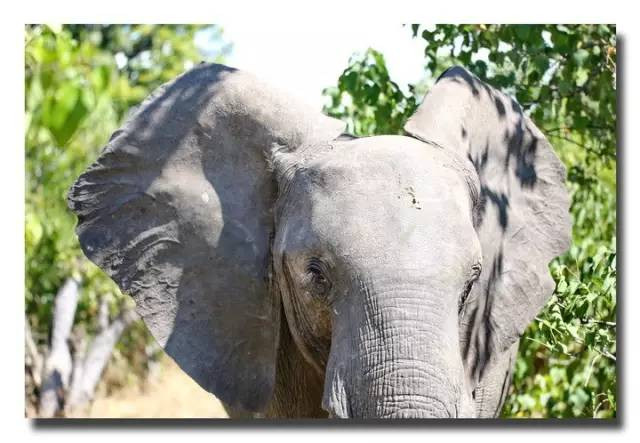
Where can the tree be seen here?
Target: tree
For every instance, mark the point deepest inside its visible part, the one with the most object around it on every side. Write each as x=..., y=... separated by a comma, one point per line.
x=564, y=77
x=80, y=82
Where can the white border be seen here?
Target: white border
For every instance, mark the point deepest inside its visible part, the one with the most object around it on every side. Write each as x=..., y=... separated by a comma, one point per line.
x=328, y=14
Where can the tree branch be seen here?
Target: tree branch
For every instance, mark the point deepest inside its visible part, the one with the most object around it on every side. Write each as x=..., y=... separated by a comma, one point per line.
x=103, y=314
x=57, y=367
x=33, y=357
x=100, y=350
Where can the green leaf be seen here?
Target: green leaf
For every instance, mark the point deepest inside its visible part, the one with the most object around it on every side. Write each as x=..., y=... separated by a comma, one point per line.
x=523, y=31
x=562, y=286
x=33, y=230
x=580, y=56
x=564, y=87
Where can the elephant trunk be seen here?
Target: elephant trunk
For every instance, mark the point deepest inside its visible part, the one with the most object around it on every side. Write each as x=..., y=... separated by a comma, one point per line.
x=401, y=361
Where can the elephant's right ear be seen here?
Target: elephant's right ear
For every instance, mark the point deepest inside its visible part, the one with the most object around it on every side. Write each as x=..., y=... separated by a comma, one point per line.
x=178, y=211
x=522, y=213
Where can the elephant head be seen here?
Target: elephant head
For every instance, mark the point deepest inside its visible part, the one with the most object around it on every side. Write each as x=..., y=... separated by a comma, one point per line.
x=403, y=268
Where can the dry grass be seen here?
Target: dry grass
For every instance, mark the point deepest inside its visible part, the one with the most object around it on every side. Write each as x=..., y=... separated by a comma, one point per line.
x=169, y=394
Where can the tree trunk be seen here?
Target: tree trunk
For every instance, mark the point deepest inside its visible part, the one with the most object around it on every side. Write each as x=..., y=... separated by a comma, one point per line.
x=57, y=366
x=87, y=375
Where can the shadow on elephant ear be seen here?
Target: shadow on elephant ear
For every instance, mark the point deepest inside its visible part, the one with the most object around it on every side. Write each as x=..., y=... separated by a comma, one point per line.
x=178, y=211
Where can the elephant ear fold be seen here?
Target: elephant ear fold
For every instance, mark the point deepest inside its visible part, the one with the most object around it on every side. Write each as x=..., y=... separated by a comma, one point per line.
x=522, y=218
x=177, y=210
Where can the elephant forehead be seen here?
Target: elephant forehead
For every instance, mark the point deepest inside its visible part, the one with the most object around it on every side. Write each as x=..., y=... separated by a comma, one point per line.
x=370, y=189
x=387, y=168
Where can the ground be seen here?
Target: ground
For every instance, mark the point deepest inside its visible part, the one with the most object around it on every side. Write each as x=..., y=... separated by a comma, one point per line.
x=170, y=393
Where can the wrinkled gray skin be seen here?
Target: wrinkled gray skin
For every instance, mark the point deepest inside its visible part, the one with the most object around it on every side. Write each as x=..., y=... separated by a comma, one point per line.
x=294, y=271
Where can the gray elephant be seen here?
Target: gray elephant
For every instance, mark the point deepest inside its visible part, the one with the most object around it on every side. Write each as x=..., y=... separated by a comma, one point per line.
x=296, y=271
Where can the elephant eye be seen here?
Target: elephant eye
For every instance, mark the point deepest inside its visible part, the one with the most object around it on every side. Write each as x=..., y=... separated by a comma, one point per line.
x=319, y=284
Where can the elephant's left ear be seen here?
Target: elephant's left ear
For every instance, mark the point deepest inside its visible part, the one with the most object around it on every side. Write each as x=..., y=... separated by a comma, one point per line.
x=178, y=211
x=522, y=217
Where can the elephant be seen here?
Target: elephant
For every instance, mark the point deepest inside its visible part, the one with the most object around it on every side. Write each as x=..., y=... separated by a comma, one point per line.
x=294, y=270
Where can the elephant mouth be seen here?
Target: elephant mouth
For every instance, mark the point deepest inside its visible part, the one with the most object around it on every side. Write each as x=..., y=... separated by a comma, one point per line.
x=434, y=412
x=396, y=406
x=430, y=408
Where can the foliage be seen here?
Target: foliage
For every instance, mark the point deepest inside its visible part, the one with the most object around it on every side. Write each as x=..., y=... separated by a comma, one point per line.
x=564, y=77
x=80, y=81
x=374, y=103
